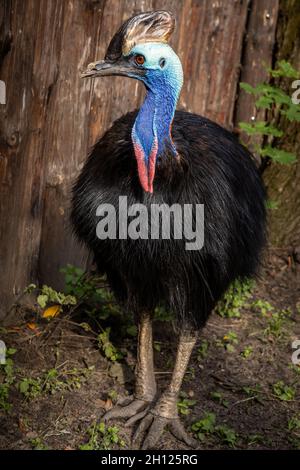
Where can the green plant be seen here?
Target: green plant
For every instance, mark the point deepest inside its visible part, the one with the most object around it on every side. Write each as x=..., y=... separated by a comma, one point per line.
x=53, y=381
x=162, y=314
x=204, y=426
x=276, y=319
x=202, y=350
x=264, y=307
x=228, y=341
x=255, y=439
x=50, y=296
x=247, y=351
x=113, y=395
x=295, y=368
x=7, y=379
x=96, y=299
x=102, y=438
x=106, y=346
x=294, y=441
x=227, y=435
x=270, y=204
x=219, y=398
x=283, y=392
x=254, y=393
x=207, y=427
x=131, y=330
x=294, y=429
x=278, y=106
x=294, y=423
x=275, y=323
x=184, y=404
x=38, y=444
x=92, y=291
x=190, y=374
x=30, y=387
x=98, y=302
x=235, y=298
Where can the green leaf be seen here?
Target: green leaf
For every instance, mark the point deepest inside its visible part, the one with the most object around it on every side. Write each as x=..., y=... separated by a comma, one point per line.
x=29, y=288
x=264, y=102
x=101, y=427
x=283, y=392
x=271, y=204
x=248, y=88
x=292, y=113
x=284, y=69
x=278, y=155
x=227, y=435
x=278, y=96
x=42, y=300
x=294, y=423
x=132, y=330
x=260, y=127
x=24, y=386
x=11, y=351
x=230, y=348
x=206, y=424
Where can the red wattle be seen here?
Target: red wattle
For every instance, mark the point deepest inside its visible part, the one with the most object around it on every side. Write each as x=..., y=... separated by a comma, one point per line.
x=151, y=164
x=146, y=174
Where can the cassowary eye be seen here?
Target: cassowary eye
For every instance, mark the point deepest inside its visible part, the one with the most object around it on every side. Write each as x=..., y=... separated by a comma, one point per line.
x=162, y=63
x=139, y=59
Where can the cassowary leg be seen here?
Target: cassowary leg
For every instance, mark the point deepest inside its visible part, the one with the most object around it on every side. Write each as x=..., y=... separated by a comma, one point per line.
x=137, y=405
x=164, y=413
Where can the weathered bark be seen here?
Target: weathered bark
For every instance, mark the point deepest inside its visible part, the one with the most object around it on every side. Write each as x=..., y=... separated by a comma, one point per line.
x=283, y=182
x=257, y=56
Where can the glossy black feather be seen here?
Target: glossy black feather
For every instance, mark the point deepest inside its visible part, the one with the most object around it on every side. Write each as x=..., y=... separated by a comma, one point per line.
x=214, y=169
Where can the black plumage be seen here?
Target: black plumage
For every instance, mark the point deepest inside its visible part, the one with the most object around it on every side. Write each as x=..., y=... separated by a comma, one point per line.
x=214, y=170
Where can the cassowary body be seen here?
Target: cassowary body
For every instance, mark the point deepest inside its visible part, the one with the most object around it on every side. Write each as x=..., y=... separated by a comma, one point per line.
x=157, y=156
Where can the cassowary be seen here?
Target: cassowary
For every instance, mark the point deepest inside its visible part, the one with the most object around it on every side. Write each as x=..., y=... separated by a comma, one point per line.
x=157, y=155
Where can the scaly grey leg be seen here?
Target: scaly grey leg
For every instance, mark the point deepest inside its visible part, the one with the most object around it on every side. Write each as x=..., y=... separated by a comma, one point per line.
x=136, y=406
x=165, y=413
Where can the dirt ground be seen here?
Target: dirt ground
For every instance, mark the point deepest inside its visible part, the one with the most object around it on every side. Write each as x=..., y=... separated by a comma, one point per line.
x=241, y=386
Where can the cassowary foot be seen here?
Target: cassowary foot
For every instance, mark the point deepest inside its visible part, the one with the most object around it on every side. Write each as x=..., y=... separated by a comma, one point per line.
x=130, y=408
x=163, y=415
x=152, y=427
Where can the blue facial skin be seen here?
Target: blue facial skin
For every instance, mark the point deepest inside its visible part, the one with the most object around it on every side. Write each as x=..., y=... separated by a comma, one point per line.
x=163, y=80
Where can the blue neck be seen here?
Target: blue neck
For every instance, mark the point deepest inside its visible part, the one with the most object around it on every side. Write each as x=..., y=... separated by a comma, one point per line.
x=154, y=120
x=151, y=133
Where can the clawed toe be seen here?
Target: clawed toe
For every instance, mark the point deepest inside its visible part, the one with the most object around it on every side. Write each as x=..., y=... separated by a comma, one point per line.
x=154, y=427
x=178, y=431
x=130, y=407
x=136, y=417
x=151, y=425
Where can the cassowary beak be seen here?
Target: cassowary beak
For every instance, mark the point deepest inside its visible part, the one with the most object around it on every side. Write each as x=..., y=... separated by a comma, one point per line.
x=105, y=68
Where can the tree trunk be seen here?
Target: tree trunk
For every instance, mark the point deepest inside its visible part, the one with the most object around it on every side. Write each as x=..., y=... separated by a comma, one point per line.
x=282, y=181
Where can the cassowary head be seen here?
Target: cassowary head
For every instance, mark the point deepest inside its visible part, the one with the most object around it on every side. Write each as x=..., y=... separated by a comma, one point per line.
x=139, y=50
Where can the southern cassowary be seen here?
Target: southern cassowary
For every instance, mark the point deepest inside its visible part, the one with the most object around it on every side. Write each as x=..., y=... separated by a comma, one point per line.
x=157, y=155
